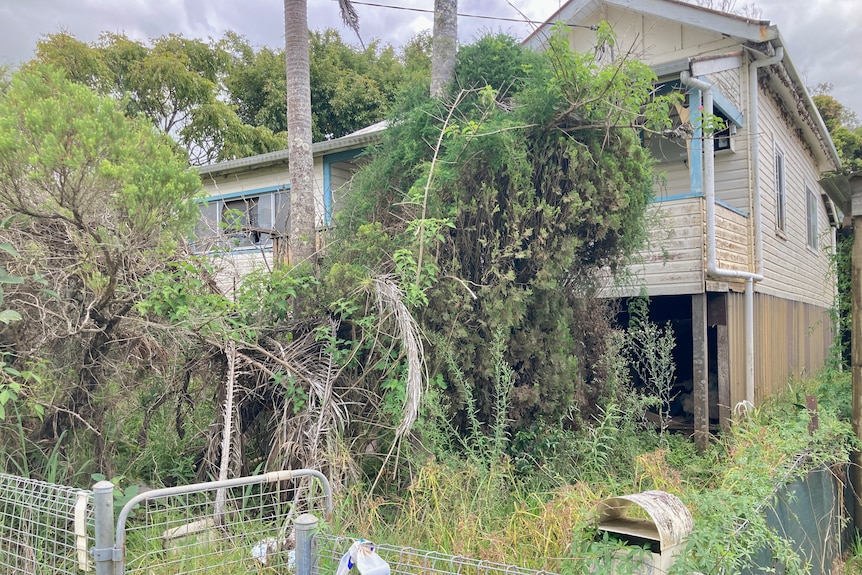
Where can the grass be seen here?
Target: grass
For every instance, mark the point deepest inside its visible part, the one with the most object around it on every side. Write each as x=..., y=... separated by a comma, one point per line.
x=493, y=506
x=853, y=565
x=490, y=510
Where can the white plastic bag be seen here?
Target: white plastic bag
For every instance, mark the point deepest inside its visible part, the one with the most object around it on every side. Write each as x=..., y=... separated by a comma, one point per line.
x=365, y=558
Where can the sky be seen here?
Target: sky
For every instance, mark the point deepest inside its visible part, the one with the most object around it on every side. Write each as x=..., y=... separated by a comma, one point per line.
x=823, y=37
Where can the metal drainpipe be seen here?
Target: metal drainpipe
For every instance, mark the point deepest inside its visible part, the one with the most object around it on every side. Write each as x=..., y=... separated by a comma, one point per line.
x=754, y=138
x=711, y=259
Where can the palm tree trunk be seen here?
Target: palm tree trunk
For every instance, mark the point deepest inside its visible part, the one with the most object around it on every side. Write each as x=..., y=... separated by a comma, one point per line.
x=444, y=45
x=301, y=220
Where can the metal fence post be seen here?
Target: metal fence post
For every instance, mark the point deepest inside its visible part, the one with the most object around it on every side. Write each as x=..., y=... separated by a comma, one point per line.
x=306, y=557
x=103, y=509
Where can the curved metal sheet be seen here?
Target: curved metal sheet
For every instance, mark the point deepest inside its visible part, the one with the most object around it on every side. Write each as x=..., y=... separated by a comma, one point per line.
x=669, y=516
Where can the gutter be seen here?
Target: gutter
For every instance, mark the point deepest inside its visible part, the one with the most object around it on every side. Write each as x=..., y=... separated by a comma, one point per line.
x=711, y=258
x=351, y=141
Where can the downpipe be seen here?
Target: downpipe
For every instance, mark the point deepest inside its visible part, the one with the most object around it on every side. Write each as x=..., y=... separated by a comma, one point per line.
x=712, y=268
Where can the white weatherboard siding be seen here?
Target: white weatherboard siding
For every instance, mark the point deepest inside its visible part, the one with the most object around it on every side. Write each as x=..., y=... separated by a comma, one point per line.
x=672, y=179
x=651, y=40
x=732, y=177
x=340, y=175
x=232, y=183
x=731, y=84
x=672, y=262
x=792, y=269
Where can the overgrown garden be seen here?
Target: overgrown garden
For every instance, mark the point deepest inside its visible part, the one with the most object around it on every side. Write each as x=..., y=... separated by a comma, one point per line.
x=446, y=364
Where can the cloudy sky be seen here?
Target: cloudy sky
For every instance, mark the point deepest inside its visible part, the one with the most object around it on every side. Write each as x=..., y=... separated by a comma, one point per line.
x=823, y=36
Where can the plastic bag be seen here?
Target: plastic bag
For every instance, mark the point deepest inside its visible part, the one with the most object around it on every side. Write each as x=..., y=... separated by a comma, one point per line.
x=362, y=555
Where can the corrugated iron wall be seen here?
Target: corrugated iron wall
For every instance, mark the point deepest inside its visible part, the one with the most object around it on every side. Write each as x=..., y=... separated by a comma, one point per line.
x=792, y=339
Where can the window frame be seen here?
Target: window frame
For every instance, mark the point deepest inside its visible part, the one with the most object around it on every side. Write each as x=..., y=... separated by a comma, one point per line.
x=780, y=188
x=812, y=219
x=241, y=228
x=215, y=232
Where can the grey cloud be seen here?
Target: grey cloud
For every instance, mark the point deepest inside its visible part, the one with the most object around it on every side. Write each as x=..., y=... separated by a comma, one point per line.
x=821, y=35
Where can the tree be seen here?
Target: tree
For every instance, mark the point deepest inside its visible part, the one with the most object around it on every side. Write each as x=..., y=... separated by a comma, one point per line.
x=351, y=88
x=445, y=45
x=174, y=82
x=500, y=232
x=843, y=126
x=92, y=203
x=302, y=220
x=748, y=9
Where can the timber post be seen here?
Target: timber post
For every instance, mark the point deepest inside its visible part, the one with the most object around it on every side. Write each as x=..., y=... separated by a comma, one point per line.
x=856, y=358
x=700, y=370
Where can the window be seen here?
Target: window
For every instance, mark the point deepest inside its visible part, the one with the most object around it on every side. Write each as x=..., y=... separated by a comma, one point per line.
x=780, y=199
x=811, y=219
x=240, y=220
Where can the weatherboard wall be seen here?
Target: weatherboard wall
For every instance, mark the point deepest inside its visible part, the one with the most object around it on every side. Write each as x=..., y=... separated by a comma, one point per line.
x=792, y=269
x=650, y=39
x=672, y=261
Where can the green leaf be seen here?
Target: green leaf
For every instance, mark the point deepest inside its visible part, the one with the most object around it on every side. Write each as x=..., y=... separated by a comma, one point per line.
x=7, y=247
x=50, y=293
x=7, y=316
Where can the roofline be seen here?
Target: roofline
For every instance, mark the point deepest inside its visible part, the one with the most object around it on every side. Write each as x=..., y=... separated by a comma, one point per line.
x=344, y=143
x=744, y=30
x=741, y=27
x=813, y=112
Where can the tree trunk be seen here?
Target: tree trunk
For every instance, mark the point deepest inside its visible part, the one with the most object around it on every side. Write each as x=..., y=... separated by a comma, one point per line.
x=301, y=220
x=444, y=45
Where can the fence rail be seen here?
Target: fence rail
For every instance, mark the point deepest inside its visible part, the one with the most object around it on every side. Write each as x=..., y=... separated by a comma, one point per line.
x=43, y=527
x=217, y=527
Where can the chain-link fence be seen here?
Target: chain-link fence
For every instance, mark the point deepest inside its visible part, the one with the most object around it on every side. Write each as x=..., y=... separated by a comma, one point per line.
x=43, y=527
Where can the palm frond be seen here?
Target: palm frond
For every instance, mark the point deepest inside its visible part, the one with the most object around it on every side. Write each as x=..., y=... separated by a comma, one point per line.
x=390, y=301
x=350, y=17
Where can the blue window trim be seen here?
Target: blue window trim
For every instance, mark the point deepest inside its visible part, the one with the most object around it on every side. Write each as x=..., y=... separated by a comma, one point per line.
x=658, y=200
x=695, y=154
x=724, y=204
x=244, y=193
x=327, y=178
x=721, y=102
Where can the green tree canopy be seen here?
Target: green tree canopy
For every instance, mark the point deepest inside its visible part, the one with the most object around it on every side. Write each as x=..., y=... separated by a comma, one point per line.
x=226, y=99
x=844, y=128
x=92, y=202
x=846, y=133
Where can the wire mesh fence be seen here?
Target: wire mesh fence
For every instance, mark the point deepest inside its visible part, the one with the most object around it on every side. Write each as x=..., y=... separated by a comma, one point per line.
x=409, y=561
x=247, y=525
x=206, y=528
x=44, y=528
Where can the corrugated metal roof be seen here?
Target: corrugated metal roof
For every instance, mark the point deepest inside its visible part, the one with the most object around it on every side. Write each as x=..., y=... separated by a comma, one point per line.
x=357, y=139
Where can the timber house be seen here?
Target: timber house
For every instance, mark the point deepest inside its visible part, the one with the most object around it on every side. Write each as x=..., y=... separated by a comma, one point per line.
x=742, y=232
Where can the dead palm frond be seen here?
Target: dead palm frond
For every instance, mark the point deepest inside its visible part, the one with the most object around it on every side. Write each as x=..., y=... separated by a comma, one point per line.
x=390, y=302
x=350, y=17
x=227, y=429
